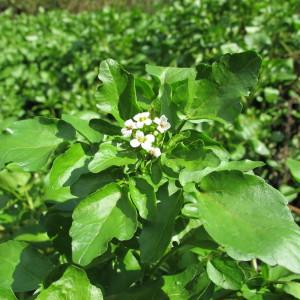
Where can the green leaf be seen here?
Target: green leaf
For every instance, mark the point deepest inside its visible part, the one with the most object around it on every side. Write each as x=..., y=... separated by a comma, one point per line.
x=57, y=224
x=22, y=267
x=292, y=288
x=7, y=294
x=143, y=197
x=29, y=143
x=176, y=87
x=218, y=93
x=105, y=127
x=89, y=183
x=104, y=215
x=195, y=235
x=187, y=149
x=166, y=106
x=144, y=92
x=111, y=155
x=31, y=233
x=279, y=273
x=260, y=147
x=170, y=75
x=13, y=178
x=156, y=172
x=225, y=272
x=196, y=175
x=116, y=94
x=129, y=271
x=82, y=126
x=249, y=218
x=65, y=170
x=294, y=166
x=74, y=284
x=150, y=290
x=156, y=235
x=176, y=285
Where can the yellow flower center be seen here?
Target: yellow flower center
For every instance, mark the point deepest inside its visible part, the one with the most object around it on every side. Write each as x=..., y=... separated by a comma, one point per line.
x=142, y=139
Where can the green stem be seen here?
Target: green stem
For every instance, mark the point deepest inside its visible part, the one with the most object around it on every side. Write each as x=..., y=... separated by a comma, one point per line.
x=163, y=259
x=29, y=201
x=15, y=194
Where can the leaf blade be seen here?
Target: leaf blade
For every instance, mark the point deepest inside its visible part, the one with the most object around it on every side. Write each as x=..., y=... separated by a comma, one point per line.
x=232, y=207
x=99, y=218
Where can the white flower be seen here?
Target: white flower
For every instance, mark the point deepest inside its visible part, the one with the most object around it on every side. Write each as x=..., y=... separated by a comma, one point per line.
x=145, y=141
x=129, y=127
x=155, y=151
x=162, y=124
x=142, y=119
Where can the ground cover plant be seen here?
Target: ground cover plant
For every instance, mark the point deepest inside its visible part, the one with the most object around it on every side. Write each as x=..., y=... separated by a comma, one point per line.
x=140, y=202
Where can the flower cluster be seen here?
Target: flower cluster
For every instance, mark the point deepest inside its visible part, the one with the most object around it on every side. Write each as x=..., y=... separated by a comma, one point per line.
x=146, y=132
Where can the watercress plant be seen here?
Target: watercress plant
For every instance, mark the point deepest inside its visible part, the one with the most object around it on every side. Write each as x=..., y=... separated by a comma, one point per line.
x=140, y=203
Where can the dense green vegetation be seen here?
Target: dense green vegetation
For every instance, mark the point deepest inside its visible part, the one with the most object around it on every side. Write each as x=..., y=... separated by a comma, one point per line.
x=49, y=67
x=147, y=205
x=49, y=62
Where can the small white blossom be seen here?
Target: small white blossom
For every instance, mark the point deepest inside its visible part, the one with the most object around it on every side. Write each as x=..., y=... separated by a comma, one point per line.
x=142, y=119
x=162, y=124
x=145, y=141
x=155, y=151
x=129, y=127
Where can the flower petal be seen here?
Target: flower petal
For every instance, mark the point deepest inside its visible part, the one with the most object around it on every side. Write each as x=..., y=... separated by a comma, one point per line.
x=128, y=123
x=167, y=126
x=145, y=114
x=146, y=145
x=150, y=138
x=135, y=143
x=156, y=120
x=137, y=117
x=163, y=118
x=160, y=129
x=139, y=124
x=126, y=132
x=148, y=122
x=156, y=152
x=139, y=134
